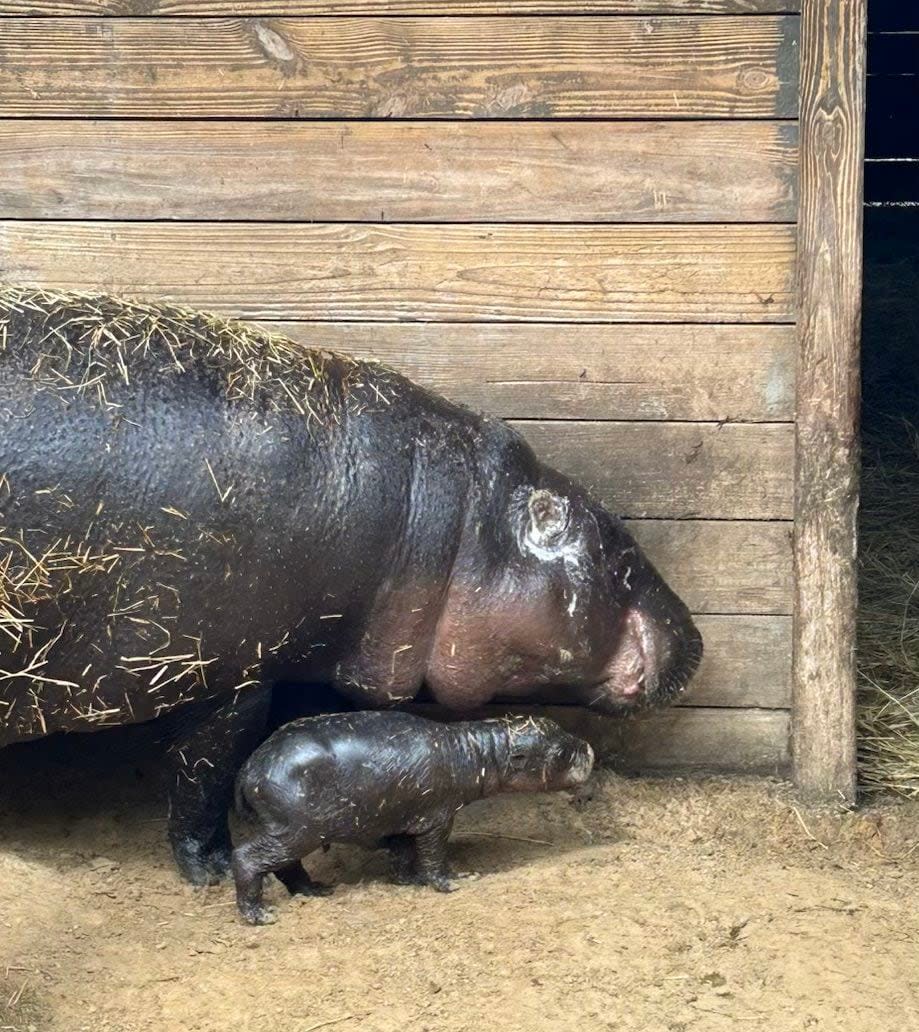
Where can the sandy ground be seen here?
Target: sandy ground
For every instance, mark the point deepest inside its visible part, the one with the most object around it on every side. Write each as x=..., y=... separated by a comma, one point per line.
x=659, y=905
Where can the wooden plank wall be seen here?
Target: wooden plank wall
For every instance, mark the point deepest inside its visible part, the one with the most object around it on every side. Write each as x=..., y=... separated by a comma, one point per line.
x=578, y=214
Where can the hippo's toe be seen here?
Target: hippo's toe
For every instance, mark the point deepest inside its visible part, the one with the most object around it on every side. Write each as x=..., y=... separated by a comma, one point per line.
x=199, y=864
x=258, y=914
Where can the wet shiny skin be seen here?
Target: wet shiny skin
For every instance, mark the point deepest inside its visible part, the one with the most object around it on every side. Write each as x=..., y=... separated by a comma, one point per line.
x=390, y=779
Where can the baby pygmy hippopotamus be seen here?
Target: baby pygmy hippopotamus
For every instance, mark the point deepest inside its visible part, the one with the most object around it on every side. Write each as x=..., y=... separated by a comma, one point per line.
x=385, y=778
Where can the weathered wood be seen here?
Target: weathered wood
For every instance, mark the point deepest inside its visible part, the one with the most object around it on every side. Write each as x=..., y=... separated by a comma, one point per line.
x=400, y=171
x=722, y=567
x=747, y=663
x=554, y=371
x=201, y=8
x=832, y=139
x=445, y=272
x=741, y=740
x=694, y=67
x=675, y=470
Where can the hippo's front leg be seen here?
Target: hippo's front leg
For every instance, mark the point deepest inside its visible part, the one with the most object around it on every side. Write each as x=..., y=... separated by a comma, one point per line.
x=213, y=746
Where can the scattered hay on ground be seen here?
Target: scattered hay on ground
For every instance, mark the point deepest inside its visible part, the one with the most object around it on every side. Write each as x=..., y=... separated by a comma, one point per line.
x=888, y=633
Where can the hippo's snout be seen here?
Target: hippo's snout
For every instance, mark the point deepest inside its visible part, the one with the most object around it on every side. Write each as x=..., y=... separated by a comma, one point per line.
x=654, y=660
x=581, y=767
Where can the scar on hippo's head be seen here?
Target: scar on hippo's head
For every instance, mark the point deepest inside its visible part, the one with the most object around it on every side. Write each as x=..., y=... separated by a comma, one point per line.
x=547, y=523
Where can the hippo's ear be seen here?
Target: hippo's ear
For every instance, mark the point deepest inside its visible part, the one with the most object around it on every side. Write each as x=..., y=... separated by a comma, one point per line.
x=548, y=518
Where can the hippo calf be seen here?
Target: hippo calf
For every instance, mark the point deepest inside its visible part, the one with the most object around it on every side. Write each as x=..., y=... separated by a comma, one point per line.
x=193, y=511
x=385, y=779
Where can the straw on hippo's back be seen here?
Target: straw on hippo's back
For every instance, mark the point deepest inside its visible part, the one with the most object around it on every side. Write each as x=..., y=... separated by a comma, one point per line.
x=193, y=510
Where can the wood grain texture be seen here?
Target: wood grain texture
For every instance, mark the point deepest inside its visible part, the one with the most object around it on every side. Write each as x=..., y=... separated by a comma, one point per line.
x=722, y=567
x=681, y=738
x=675, y=470
x=693, y=67
x=376, y=8
x=833, y=107
x=747, y=663
x=741, y=740
x=553, y=371
x=445, y=272
x=400, y=171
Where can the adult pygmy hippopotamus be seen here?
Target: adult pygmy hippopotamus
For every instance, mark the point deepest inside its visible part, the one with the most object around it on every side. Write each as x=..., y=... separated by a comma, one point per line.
x=389, y=779
x=193, y=510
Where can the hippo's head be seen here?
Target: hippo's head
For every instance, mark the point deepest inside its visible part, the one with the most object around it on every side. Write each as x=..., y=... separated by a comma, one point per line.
x=555, y=593
x=541, y=757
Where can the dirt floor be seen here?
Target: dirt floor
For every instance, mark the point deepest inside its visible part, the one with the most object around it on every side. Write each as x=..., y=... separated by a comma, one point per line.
x=659, y=905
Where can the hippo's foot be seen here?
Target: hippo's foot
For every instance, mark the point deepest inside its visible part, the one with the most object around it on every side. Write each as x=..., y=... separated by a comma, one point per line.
x=258, y=914
x=295, y=879
x=440, y=882
x=201, y=863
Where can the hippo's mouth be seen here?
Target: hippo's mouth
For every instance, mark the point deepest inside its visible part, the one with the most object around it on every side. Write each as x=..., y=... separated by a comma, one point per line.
x=627, y=674
x=651, y=665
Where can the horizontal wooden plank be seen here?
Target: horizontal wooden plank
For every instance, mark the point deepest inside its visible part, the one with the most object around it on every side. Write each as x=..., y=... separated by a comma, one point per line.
x=693, y=67
x=554, y=371
x=892, y=182
x=445, y=272
x=400, y=171
x=747, y=663
x=744, y=740
x=892, y=103
x=722, y=567
x=750, y=741
x=390, y=7
x=675, y=470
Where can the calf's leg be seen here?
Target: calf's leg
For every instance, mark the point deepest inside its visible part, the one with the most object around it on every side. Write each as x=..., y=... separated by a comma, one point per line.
x=431, y=858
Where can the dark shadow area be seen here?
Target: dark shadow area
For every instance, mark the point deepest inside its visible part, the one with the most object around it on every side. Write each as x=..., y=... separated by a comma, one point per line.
x=888, y=634
x=888, y=631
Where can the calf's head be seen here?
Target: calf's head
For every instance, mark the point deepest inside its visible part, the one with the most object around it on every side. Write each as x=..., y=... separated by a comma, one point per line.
x=541, y=757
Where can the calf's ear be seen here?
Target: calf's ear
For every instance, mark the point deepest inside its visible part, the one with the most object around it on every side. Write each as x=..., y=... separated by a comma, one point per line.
x=548, y=517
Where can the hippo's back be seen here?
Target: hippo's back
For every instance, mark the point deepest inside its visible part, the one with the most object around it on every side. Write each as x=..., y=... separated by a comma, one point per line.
x=189, y=505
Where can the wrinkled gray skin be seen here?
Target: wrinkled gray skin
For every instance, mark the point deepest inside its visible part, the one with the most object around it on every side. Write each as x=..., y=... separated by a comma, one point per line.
x=384, y=779
x=186, y=521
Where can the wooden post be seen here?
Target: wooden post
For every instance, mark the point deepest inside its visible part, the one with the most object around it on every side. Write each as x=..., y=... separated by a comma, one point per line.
x=826, y=479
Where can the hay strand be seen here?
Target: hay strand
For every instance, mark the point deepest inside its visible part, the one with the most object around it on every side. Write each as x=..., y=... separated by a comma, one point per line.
x=888, y=633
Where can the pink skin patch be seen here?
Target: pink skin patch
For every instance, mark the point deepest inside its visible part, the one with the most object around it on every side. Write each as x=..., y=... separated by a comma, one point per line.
x=635, y=663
